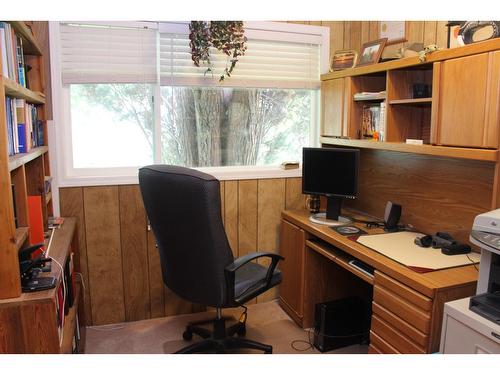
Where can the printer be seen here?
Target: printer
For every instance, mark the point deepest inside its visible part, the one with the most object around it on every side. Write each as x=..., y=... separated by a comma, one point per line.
x=486, y=234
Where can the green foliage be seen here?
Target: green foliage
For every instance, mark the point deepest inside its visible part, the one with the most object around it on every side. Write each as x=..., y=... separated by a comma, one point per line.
x=226, y=36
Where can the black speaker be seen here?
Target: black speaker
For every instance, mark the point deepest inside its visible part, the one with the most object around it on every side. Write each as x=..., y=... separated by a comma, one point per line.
x=392, y=216
x=341, y=323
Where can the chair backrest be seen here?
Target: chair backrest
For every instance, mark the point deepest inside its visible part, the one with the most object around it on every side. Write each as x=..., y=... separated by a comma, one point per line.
x=184, y=209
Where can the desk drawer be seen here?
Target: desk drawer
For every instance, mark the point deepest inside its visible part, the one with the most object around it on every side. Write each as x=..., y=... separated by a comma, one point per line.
x=380, y=346
x=402, y=308
x=412, y=296
x=405, y=328
x=397, y=340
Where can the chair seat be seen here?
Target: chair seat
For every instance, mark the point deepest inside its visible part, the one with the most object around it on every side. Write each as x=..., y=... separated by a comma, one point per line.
x=251, y=276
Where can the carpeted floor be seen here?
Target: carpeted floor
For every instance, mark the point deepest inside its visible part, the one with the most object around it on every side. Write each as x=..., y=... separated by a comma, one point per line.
x=266, y=323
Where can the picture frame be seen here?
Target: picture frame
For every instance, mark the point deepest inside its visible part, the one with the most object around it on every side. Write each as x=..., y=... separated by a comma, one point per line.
x=394, y=31
x=371, y=52
x=343, y=59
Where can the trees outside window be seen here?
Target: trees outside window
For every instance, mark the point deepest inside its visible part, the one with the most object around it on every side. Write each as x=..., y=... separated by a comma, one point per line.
x=200, y=126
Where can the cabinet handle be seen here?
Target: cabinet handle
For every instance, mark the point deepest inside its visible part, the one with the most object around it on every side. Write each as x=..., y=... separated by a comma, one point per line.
x=496, y=335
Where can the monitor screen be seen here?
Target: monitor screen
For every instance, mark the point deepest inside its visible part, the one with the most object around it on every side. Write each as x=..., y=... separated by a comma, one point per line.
x=330, y=171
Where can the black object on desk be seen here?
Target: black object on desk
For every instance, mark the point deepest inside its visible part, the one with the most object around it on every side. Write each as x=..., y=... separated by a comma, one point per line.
x=348, y=230
x=443, y=241
x=30, y=267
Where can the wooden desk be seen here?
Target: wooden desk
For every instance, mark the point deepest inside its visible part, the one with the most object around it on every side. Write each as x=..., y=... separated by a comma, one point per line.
x=407, y=306
x=29, y=323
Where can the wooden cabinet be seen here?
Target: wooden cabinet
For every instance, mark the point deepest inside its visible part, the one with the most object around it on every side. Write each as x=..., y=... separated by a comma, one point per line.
x=467, y=104
x=458, y=117
x=334, y=107
x=292, y=246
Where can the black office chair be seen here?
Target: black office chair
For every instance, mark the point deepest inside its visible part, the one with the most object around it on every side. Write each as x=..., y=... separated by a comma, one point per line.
x=183, y=206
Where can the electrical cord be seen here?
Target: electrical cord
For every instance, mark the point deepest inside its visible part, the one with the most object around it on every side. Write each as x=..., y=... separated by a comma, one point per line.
x=310, y=343
x=472, y=261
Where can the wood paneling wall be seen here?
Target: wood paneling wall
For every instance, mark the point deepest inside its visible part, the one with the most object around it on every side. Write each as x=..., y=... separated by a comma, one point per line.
x=352, y=34
x=120, y=263
x=437, y=194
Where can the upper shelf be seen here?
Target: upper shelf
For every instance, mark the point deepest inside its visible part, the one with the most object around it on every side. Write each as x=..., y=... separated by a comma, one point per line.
x=14, y=89
x=471, y=49
x=17, y=160
x=30, y=45
x=443, y=151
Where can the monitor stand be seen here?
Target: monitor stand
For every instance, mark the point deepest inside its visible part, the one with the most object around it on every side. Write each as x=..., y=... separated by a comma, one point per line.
x=332, y=215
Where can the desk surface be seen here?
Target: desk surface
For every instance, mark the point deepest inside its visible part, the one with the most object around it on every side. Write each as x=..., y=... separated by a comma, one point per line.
x=426, y=283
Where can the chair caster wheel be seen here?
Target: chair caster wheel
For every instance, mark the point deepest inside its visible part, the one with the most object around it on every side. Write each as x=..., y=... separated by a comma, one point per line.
x=242, y=331
x=187, y=335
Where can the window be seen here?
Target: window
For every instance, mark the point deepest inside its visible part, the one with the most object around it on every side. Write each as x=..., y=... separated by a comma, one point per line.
x=112, y=125
x=132, y=97
x=209, y=126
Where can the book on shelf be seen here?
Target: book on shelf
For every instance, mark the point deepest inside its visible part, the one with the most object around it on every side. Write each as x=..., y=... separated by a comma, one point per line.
x=12, y=54
x=35, y=219
x=24, y=129
x=379, y=95
x=373, y=121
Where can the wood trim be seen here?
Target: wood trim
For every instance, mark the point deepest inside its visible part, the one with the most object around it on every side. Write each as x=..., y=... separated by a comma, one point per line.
x=436, y=102
x=291, y=312
x=19, y=160
x=442, y=151
x=492, y=113
x=14, y=89
x=471, y=49
x=30, y=45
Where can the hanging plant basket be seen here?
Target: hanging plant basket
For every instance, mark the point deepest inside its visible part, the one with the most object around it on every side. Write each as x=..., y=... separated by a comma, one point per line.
x=226, y=36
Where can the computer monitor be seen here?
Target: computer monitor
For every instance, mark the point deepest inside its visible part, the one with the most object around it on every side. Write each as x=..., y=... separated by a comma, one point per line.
x=332, y=172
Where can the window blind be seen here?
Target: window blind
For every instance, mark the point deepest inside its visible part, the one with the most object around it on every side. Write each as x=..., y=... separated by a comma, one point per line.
x=272, y=59
x=94, y=53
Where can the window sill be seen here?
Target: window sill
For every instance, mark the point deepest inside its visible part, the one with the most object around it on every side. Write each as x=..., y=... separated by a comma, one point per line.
x=221, y=173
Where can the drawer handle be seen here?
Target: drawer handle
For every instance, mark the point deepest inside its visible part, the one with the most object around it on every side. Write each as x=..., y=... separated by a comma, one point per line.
x=496, y=335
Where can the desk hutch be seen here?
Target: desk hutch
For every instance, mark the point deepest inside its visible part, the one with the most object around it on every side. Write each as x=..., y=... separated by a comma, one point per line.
x=442, y=185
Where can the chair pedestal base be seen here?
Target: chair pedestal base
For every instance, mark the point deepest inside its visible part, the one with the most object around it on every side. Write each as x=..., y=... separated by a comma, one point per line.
x=220, y=340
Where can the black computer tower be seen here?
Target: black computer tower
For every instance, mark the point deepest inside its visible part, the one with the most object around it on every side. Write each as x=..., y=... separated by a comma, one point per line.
x=341, y=323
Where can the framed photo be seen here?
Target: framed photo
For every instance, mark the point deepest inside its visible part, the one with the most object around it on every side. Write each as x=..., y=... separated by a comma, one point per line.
x=343, y=59
x=371, y=52
x=394, y=31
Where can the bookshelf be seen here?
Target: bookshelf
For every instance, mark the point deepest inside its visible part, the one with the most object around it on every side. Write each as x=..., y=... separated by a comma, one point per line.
x=22, y=173
x=29, y=321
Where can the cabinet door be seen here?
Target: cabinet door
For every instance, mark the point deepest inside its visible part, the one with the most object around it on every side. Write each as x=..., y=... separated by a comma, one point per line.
x=464, y=102
x=332, y=107
x=292, y=247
